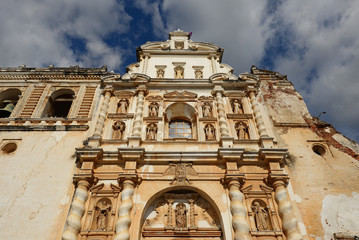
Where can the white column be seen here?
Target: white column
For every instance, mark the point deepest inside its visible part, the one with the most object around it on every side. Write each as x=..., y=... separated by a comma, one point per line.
x=223, y=125
x=137, y=123
x=239, y=212
x=257, y=115
x=102, y=117
x=73, y=221
x=124, y=219
x=289, y=222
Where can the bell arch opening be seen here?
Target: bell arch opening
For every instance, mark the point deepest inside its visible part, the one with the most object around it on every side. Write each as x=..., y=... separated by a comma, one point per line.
x=182, y=212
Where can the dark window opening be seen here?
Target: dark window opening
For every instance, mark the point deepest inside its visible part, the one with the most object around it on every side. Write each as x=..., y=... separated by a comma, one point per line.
x=8, y=101
x=59, y=106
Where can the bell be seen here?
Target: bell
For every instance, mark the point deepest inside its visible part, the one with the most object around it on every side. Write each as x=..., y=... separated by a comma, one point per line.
x=7, y=110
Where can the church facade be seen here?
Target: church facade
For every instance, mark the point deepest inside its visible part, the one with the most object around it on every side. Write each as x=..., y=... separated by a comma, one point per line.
x=177, y=148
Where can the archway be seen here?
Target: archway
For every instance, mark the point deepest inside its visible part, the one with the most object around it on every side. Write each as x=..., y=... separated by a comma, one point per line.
x=181, y=212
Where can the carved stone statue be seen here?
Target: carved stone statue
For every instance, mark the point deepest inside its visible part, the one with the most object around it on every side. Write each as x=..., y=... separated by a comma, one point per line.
x=237, y=107
x=209, y=131
x=181, y=215
x=153, y=107
x=160, y=73
x=102, y=213
x=118, y=130
x=207, y=110
x=242, y=130
x=261, y=217
x=122, y=106
x=179, y=72
x=151, y=131
x=198, y=73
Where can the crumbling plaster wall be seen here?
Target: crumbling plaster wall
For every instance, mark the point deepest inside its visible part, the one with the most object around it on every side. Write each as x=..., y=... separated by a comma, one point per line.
x=326, y=187
x=37, y=183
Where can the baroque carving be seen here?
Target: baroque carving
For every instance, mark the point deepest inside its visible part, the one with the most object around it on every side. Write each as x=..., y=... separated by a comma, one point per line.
x=153, y=109
x=242, y=130
x=207, y=109
x=181, y=215
x=118, y=130
x=179, y=72
x=102, y=212
x=261, y=216
x=237, y=106
x=151, y=131
x=181, y=171
x=122, y=105
x=210, y=132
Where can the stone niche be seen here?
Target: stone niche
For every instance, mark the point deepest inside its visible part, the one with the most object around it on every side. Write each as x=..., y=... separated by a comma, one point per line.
x=181, y=213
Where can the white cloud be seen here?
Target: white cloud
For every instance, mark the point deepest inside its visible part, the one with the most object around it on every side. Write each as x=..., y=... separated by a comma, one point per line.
x=37, y=32
x=327, y=32
x=237, y=26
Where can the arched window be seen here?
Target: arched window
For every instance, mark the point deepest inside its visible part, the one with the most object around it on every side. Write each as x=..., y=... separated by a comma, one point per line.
x=8, y=101
x=181, y=121
x=59, y=104
x=180, y=129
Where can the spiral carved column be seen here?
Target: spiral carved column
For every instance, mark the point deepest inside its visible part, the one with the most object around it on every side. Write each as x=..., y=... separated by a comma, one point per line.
x=124, y=219
x=73, y=222
x=257, y=115
x=290, y=223
x=239, y=212
x=102, y=117
x=223, y=126
x=137, y=123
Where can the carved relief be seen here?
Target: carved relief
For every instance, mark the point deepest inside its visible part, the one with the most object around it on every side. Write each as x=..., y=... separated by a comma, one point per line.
x=122, y=105
x=153, y=109
x=160, y=71
x=151, y=131
x=102, y=213
x=261, y=215
x=179, y=45
x=181, y=212
x=237, y=106
x=242, y=130
x=179, y=72
x=118, y=130
x=210, y=132
x=181, y=171
x=198, y=74
x=207, y=109
x=181, y=215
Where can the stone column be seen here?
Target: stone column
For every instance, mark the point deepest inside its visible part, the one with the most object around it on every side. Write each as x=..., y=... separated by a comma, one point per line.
x=170, y=200
x=213, y=63
x=77, y=210
x=223, y=125
x=257, y=115
x=192, y=221
x=124, y=219
x=137, y=123
x=238, y=210
x=289, y=222
x=102, y=117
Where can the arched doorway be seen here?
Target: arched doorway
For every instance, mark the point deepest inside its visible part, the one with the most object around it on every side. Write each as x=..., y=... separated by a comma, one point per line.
x=178, y=214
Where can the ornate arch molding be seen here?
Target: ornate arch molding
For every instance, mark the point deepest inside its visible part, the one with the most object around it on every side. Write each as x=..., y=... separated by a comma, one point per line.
x=181, y=211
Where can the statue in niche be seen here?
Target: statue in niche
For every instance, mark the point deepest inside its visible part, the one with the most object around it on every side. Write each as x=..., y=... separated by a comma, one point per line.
x=153, y=107
x=160, y=73
x=118, y=130
x=261, y=217
x=179, y=72
x=242, y=130
x=102, y=213
x=198, y=73
x=181, y=215
x=209, y=132
x=122, y=106
x=151, y=131
x=237, y=107
x=207, y=110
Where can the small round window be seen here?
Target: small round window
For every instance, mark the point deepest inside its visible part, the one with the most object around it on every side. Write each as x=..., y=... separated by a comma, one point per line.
x=318, y=149
x=9, y=147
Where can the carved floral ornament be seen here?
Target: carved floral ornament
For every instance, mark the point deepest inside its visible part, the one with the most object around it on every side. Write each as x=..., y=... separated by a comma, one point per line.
x=180, y=211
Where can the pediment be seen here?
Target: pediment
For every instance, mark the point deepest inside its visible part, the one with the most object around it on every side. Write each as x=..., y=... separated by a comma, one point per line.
x=124, y=94
x=181, y=95
x=235, y=94
x=202, y=46
x=156, y=46
x=137, y=77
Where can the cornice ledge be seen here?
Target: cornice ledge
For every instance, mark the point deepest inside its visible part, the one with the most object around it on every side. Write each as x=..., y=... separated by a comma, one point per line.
x=128, y=154
x=89, y=154
x=230, y=154
x=273, y=154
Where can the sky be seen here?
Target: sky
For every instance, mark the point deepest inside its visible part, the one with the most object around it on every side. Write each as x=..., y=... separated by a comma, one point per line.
x=315, y=43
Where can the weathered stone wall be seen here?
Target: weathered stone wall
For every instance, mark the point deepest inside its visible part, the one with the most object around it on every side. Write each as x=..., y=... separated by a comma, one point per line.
x=36, y=183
